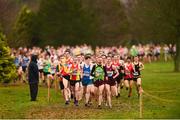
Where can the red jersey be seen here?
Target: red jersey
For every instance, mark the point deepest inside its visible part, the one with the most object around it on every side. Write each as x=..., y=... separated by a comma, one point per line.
x=75, y=72
x=69, y=61
x=128, y=71
x=65, y=69
x=116, y=64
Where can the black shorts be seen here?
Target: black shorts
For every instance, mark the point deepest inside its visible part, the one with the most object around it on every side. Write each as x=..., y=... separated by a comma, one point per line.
x=111, y=82
x=119, y=78
x=98, y=83
x=24, y=68
x=59, y=76
x=135, y=78
x=67, y=77
x=46, y=73
x=157, y=54
x=41, y=70
x=61, y=85
x=150, y=54
x=141, y=55
x=129, y=79
x=73, y=82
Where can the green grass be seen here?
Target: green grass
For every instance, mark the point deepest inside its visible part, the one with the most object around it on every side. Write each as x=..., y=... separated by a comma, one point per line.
x=160, y=100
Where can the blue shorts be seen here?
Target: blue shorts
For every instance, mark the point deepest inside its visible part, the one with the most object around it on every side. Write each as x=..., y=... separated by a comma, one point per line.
x=87, y=82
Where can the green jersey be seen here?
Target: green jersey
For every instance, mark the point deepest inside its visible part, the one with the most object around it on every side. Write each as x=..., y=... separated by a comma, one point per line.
x=47, y=67
x=134, y=52
x=99, y=73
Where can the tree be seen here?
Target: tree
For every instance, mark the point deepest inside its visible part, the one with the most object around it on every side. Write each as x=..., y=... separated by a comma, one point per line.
x=111, y=21
x=24, y=28
x=82, y=21
x=7, y=68
x=64, y=22
x=8, y=12
x=157, y=21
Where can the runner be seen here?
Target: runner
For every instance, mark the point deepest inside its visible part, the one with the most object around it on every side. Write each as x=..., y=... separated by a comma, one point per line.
x=47, y=68
x=47, y=73
x=110, y=83
x=80, y=58
x=24, y=63
x=137, y=74
x=166, y=52
x=53, y=70
x=64, y=71
x=40, y=67
x=120, y=67
x=87, y=80
x=128, y=78
x=17, y=62
x=133, y=51
x=141, y=51
x=157, y=52
x=75, y=80
x=99, y=73
x=59, y=76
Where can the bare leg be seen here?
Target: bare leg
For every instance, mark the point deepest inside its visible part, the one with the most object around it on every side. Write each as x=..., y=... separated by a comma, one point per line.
x=126, y=83
x=114, y=90
x=87, y=94
x=101, y=88
x=108, y=91
x=130, y=88
x=66, y=89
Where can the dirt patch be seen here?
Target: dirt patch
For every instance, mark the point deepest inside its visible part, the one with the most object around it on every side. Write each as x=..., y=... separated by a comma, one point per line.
x=66, y=112
x=73, y=112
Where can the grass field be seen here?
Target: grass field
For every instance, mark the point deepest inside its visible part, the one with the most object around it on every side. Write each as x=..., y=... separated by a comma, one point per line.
x=160, y=100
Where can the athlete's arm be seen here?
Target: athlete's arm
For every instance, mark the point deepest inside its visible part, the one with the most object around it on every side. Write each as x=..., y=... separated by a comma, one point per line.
x=92, y=72
x=81, y=71
x=57, y=68
x=122, y=69
x=117, y=73
x=105, y=73
x=133, y=65
x=141, y=66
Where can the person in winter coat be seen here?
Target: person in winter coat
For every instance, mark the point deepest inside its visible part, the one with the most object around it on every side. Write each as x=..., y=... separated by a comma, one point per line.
x=33, y=77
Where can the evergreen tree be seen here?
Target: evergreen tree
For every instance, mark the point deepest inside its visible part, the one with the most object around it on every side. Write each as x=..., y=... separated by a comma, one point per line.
x=7, y=68
x=24, y=28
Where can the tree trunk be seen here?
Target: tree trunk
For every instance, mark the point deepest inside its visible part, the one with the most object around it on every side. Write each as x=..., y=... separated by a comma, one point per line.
x=177, y=57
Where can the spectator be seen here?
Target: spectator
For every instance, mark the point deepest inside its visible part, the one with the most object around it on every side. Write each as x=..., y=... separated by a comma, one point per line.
x=33, y=77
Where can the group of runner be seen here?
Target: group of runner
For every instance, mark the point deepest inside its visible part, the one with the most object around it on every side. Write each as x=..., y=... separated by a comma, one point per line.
x=147, y=53
x=97, y=78
x=83, y=73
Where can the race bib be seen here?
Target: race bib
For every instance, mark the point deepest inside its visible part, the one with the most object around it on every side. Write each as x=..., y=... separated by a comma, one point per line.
x=110, y=73
x=136, y=74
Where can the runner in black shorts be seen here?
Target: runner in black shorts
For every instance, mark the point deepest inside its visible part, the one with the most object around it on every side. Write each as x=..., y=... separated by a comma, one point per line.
x=64, y=74
x=59, y=76
x=138, y=66
x=119, y=65
x=99, y=73
x=128, y=78
x=110, y=84
x=75, y=80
